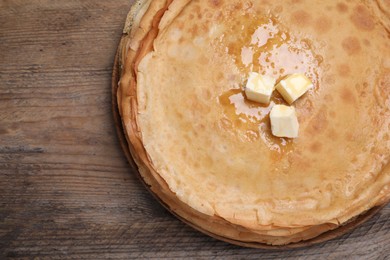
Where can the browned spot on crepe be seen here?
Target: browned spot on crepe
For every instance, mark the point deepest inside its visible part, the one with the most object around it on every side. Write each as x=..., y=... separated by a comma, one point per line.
x=315, y=147
x=351, y=45
x=347, y=96
x=215, y=3
x=320, y=122
x=238, y=6
x=332, y=134
x=384, y=82
x=342, y=8
x=383, y=86
x=344, y=70
x=301, y=18
x=323, y=24
x=362, y=19
x=332, y=114
x=194, y=30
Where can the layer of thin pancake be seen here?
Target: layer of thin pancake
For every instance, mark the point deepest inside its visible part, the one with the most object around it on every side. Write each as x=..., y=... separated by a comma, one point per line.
x=240, y=218
x=320, y=180
x=126, y=99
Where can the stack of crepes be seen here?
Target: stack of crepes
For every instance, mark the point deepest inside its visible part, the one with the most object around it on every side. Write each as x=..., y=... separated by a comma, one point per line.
x=208, y=153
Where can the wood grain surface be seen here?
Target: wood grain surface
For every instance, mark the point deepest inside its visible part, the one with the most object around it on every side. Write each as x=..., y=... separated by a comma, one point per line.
x=66, y=189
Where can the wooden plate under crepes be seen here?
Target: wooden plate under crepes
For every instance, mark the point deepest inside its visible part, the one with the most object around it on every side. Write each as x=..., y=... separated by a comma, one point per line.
x=208, y=154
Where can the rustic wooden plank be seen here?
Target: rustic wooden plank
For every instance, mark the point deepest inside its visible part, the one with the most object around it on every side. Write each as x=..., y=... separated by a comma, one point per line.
x=66, y=190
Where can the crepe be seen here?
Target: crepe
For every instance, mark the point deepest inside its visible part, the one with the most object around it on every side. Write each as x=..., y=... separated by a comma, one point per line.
x=210, y=154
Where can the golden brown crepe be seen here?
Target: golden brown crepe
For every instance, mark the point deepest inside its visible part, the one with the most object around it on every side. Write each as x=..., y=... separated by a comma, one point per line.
x=209, y=153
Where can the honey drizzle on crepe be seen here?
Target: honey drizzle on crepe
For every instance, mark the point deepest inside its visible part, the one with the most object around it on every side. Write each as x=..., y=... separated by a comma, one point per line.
x=250, y=121
x=265, y=46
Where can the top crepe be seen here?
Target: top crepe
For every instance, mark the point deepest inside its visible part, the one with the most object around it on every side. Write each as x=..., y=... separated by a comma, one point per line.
x=189, y=125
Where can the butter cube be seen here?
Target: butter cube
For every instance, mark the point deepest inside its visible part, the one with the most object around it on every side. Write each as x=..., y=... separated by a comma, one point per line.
x=284, y=122
x=259, y=88
x=293, y=87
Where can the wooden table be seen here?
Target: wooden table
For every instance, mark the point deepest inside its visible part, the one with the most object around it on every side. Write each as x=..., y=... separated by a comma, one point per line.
x=66, y=189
